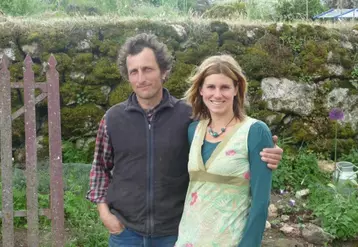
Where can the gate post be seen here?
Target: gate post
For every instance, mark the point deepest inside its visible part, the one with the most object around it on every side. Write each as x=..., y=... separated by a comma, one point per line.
x=54, y=126
x=6, y=155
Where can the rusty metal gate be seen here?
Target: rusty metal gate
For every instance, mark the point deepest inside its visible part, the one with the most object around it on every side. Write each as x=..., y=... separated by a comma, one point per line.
x=49, y=89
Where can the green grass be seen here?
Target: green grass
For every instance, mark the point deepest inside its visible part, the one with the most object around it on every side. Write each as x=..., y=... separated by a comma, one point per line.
x=81, y=217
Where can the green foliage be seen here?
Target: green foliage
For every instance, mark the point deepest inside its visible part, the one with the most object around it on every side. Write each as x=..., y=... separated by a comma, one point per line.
x=81, y=215
x=81, y=120
x=198, y=52
x=229, y=10
x=177, y=83
x=314, y=57
x=22, y=7
x=104, y=72
x=120, y=93
x=298, y=172
x=352, y=156
x=289, y=10
x=337, y=209
x=70, y=154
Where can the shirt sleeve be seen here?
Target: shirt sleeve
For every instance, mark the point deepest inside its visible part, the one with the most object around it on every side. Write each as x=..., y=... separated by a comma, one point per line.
x=100, y=174
x=191, y=131
x=260, y=137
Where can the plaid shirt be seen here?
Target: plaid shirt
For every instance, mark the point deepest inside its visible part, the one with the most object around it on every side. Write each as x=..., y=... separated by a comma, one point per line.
x=100, y=174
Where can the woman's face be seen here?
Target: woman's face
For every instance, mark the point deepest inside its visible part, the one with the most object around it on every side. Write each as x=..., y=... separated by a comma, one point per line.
x=218, y=92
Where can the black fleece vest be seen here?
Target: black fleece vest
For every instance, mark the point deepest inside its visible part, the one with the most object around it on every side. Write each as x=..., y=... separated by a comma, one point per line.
x=150, y=175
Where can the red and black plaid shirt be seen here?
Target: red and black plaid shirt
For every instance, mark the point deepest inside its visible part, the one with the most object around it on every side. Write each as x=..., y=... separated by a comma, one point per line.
x=102, y=165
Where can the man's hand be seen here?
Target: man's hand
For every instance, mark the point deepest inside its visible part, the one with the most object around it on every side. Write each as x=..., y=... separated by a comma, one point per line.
x=272, y=155
x=110, y=221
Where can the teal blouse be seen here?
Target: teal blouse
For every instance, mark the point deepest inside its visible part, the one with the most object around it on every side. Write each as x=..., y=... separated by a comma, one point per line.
x=260, y=180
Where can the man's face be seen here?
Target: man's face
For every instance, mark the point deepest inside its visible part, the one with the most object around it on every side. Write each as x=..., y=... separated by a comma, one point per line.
x=145, y=76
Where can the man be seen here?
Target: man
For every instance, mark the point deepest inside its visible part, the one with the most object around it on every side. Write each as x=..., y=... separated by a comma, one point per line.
x=139, y=175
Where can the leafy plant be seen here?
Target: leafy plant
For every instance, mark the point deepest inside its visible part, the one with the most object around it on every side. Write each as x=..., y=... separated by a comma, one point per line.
x=298, y=172
x=70, y=154
x=337, y=209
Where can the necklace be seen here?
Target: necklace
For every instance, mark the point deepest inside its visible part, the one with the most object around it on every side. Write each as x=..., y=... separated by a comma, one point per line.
x=216, y=134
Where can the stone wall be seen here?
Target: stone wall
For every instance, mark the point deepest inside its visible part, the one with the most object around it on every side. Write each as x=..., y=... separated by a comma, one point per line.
x=296, y=73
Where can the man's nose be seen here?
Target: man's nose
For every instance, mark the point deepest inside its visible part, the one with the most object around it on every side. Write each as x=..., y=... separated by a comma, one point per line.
x=141, y=76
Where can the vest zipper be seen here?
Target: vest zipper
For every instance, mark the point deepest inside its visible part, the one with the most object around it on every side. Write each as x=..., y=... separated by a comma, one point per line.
x=150, y=181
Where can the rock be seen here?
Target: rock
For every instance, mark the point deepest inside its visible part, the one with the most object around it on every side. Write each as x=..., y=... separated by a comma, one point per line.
x=77, y=75
x=315, y=235
x=347, y=45
x=84, y=45
x=272, y=211
x=268, y=225
x=340, y=97
x=80, y=143
x=32, y=49
x=276, y=224
x=281, y=242
x=180, y=31
x=106, y=90
x=290, y=230
x=285, y=95
x=202, y=5
x=9, y=52
x=250, y=34
x=274, y=119
x=89, y=34
x=302, y=193
x=285, y=218
x=335, y=69
x=287, y=120
x=279, y=26
x=326, y=166
x=88, y=142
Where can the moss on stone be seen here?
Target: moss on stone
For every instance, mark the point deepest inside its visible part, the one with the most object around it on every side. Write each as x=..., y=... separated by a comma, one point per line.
x=313, y=58
x=219, y=27
x=255, y=63
x=80, y=120
x=109, y=48
x=120, y=93
x=177, y=83
x=232, y=47
x=305, y=31
x=64, y=63
x=322, y=32
x=96, y=94
x=195, y=55
x=105, y=72
x=83, y=62
x=69, y=92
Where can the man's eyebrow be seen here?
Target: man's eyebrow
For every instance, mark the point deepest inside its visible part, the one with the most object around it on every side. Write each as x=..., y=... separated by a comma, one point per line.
x=135, y=69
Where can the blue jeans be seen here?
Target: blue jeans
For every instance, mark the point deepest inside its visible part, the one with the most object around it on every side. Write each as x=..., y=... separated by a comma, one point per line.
x=129, y=238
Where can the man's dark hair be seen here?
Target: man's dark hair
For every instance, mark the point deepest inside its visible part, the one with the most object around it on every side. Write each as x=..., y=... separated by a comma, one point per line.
x=136, y=44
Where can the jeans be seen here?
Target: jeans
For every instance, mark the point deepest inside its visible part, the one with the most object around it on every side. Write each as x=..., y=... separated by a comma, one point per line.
x=129, y=238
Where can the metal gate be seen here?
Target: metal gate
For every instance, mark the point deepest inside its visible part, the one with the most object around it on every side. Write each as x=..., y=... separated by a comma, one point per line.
x=49, y=89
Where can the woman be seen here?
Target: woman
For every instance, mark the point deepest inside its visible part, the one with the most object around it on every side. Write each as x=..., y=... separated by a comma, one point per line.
x=229, y=190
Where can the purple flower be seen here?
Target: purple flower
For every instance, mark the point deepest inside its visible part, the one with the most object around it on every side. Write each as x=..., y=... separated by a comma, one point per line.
x=292, y=202
x=336, y=114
